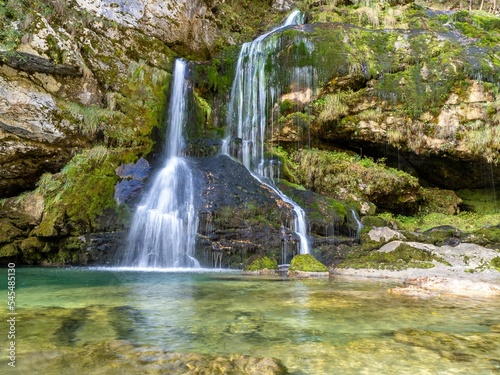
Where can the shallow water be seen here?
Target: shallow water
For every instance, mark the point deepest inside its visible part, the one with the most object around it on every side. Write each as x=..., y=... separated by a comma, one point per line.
x=335, y=326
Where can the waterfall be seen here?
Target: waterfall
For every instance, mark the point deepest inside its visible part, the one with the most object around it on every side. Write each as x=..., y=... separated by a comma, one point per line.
x=164, y=225
x=252, y=99
x=358, y=223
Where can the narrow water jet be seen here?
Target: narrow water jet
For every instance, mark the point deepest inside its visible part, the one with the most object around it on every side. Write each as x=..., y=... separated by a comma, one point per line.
x=252, y=98
x=164, y=225
x=358, y=223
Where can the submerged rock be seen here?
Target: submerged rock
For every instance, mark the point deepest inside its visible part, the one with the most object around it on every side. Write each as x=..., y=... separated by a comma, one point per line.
x=118, y=357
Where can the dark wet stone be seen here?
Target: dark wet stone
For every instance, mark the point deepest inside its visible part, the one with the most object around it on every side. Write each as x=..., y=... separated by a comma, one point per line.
x=126, y=190
x=135, y=171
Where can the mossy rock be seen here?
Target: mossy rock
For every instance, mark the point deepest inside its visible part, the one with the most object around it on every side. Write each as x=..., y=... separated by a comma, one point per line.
x=306, y=263
x=260, y=263
x=487, y=236
x=403, y=257
x=373, y=221
x=346, y=177
x=9, y=250
x=8, y=232
x=495, y=263
x=443, y=234
x=32, y=245
x=441, y=201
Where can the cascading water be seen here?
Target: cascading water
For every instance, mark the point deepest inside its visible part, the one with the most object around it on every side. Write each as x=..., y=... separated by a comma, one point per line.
x=359, y=226
x=252, y=99
x=164, y=225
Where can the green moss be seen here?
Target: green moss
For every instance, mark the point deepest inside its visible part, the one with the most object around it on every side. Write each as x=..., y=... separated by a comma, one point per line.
x=403, y=257
x=373, y=221
x=8, y=250
x=261, y=263
x=31, y=245
x=440, y=201
x=81, y=193
x=306, y=263
x=342, y=176
x=464, y=221
x=288, y=166
x=482, y=201
x=487, y=236
x=495, y=263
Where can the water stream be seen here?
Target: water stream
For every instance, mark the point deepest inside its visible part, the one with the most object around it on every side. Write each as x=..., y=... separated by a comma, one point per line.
x=164, y=225
x=252, y=98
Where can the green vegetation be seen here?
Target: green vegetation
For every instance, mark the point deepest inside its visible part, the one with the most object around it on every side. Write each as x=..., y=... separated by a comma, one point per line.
x=465, y=221
x=261, y=263
x=306, y=263
x=495, y=263
x=10, y=34
x=78, y=196
x=403, y=257
x=342, y=176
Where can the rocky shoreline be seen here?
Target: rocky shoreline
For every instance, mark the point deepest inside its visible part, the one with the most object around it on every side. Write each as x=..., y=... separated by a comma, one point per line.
x=464, y=270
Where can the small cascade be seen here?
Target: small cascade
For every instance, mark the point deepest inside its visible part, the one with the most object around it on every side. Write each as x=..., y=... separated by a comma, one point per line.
x=358, y=223
x=164, y=225
x=253, y=98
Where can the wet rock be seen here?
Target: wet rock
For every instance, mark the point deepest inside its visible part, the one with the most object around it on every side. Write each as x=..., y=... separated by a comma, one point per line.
x=454, y=347
x=238, y=212
x=384, y=234
x=443, y=235
x=135, y=171
x=132, y=175
x=120, y=356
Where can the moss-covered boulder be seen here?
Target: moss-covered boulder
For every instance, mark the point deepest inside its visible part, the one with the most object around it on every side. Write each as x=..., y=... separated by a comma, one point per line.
x=305, y=265
x=347, y=177
x=261, y=265
x=399, y=258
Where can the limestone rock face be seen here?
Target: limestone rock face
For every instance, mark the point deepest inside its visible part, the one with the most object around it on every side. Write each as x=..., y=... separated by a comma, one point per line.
x=175, y=22
x=33, y=137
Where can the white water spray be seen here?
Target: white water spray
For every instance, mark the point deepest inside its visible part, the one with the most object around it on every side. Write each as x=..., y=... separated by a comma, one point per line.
x=164, y=225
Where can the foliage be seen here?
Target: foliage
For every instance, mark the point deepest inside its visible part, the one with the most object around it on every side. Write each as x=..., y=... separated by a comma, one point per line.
x=89, y=118
x=335, y=106
x=11, y=11
x=289, y=167
x=306, y=263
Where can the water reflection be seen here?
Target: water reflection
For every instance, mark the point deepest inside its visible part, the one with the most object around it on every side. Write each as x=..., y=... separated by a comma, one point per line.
x=80, y=318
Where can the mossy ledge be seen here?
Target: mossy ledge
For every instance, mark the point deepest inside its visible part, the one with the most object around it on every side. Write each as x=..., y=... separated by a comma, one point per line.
x=401, y=258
